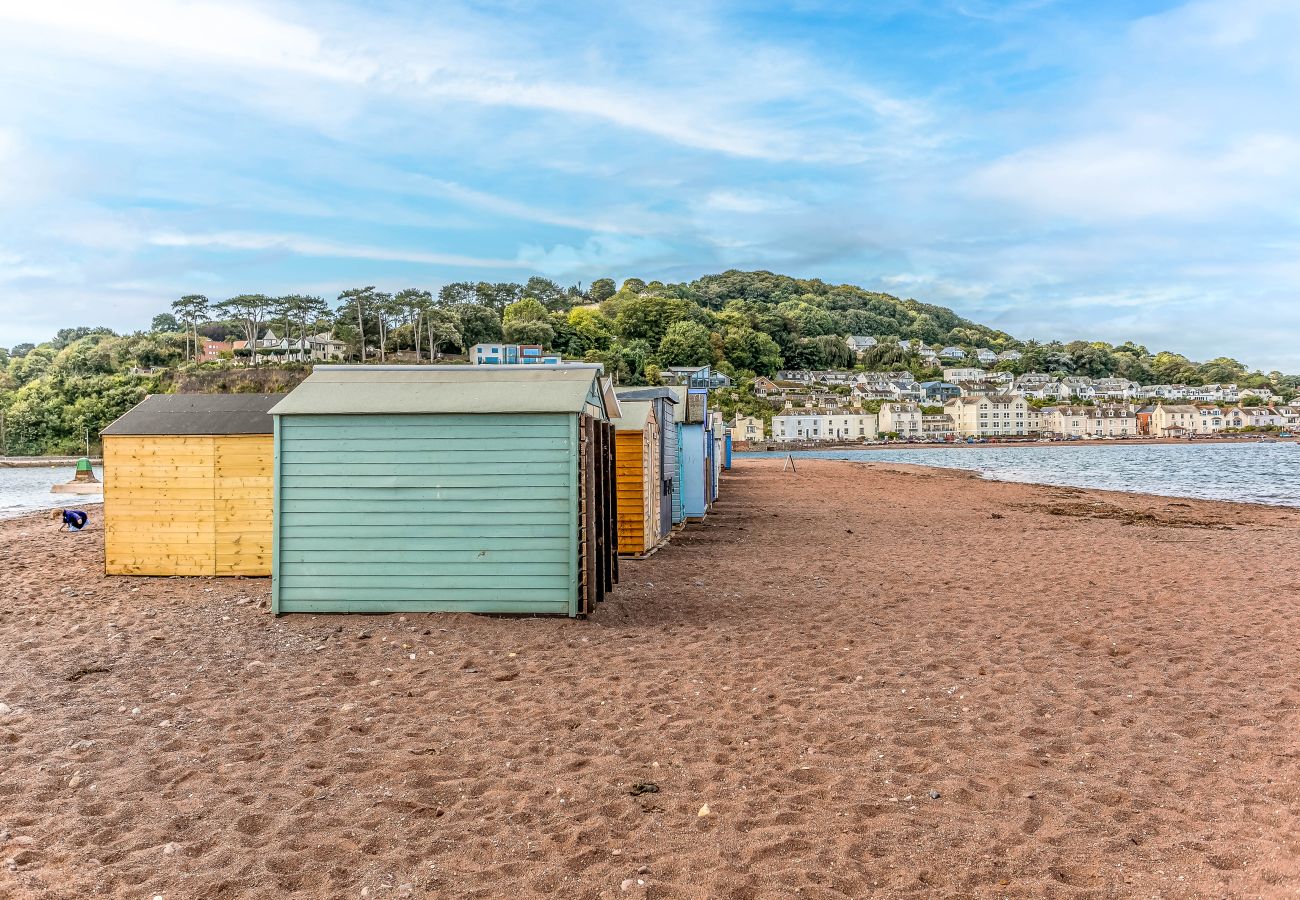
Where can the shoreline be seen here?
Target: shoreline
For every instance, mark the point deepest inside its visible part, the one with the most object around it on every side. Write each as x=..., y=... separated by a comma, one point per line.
x=1208, y=487
x=44, y=462
x=962, y=445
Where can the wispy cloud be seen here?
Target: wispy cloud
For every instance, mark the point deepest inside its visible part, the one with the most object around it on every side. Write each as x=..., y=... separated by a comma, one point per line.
x=306, y=246
x=1059, y=169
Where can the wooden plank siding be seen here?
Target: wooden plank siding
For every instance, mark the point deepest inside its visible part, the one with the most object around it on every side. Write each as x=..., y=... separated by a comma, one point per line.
x=187, y=504
x=428, y=513
x=633, y=506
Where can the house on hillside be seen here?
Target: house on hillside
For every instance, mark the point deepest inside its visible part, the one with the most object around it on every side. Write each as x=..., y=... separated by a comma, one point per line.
x=860, y=342
x=939, y=391
x=968, y=373
x=952, y=353
x=210, y=350
x=1009, y=356
x=763, y=386
x=749, y=429
x=986, y=356
x=495, y=353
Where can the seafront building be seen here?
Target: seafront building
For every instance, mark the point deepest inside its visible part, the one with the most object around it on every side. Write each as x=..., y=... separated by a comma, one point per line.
x=805, y=423
x=749, y=429
x=902, y=419
x=988, y=415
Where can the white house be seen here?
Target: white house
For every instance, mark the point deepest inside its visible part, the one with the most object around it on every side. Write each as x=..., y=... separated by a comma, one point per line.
x=984, y=415
x=903, y=419
x=952, y=353
x=823, y=424
x=986, y=356
x=957, y=375
x=495, y=353
x=1009, y=355
x=1254, y=417
x=859, y=342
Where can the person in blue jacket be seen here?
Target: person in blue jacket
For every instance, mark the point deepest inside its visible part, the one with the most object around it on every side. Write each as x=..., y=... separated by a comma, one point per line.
x=73, y=519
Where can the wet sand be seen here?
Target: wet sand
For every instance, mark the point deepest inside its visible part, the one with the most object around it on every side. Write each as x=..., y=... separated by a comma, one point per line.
x=882, y=681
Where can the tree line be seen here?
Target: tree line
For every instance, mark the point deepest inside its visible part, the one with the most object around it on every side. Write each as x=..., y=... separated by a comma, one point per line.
x=743, y=323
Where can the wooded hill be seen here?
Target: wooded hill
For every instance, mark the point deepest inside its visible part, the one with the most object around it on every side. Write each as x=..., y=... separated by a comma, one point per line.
x=744, y=323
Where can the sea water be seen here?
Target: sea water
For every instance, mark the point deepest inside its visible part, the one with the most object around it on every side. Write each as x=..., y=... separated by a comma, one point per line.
x=1246, y=472
x=28, y=490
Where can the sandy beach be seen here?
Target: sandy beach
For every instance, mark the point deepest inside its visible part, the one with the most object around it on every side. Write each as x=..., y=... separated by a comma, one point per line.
x=857, y=680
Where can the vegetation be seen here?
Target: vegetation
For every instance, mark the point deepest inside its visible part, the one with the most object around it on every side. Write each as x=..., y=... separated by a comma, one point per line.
x=743, y=323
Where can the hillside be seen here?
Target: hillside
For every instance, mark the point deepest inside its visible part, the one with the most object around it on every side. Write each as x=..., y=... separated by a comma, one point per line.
x=744, y=323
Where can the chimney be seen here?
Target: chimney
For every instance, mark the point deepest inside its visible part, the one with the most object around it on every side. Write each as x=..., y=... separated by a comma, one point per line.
x=789, y=404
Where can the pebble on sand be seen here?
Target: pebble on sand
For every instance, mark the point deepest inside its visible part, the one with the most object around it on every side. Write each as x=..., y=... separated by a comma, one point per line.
x=704, y=811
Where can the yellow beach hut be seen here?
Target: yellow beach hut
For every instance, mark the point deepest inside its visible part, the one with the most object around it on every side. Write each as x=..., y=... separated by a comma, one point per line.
x=636, y=434
x=188, y=486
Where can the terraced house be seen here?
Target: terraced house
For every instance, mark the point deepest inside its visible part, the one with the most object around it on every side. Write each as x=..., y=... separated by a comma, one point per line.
x=988, y=415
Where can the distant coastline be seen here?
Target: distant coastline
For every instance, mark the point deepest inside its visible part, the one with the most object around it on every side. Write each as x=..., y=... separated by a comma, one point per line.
x=43, y=462
x=760, y=451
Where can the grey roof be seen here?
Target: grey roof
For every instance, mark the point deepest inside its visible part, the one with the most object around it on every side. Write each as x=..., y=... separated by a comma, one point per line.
x=654, y=393
x=395, y=390
x=164, y=414
x=635, y=415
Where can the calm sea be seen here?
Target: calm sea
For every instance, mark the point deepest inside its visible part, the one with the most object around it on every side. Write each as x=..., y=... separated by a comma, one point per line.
x=1246, y=473
x=28, y=490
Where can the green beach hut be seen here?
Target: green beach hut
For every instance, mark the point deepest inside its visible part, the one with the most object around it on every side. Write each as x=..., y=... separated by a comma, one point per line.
x=483, y=489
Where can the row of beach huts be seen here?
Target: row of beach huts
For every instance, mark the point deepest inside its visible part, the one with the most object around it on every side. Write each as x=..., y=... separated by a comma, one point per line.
x=489, y=489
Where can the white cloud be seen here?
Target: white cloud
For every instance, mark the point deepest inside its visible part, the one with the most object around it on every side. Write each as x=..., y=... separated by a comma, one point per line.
x=715, y=111
x=1141, y=174
x=308, y=246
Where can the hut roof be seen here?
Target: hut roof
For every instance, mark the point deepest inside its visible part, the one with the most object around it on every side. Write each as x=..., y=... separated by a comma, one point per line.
x=177, y=414
x=636, y=413
x=396, y=390
x=652, y=393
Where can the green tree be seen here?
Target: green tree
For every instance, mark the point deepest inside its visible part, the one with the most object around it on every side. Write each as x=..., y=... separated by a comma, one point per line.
x=647, y=317
x=164, y=322
x=190, y=310
x=601, y=290
x=416, y=305
x=444, y=328
x=356, y=304
x=250, y=311
x=479, y=325
x=686, y=344
x=749, y=349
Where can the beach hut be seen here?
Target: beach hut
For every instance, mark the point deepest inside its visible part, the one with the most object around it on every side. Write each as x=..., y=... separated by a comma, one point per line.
x=664, y=402
x=695, y=446
x=445, y=488
x=187, y=486
x=640, y=481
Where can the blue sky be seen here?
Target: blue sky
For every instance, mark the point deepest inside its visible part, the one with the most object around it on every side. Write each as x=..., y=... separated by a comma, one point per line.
x=1104, y=170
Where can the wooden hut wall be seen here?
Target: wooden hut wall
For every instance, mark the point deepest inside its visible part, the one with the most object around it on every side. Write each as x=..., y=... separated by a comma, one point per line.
x=473, y=513
x=640, y=485
x=187, y=504
x=667, y=464
x=678, y=512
